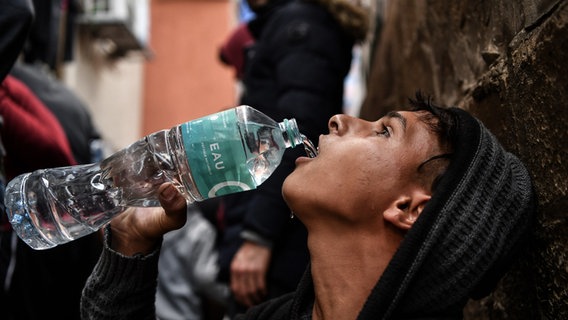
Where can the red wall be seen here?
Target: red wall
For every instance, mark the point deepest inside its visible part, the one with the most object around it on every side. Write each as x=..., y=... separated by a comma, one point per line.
x=185, y=80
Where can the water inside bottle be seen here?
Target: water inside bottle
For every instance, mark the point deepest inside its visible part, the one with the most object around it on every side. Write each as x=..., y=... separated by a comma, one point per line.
x=309, y=146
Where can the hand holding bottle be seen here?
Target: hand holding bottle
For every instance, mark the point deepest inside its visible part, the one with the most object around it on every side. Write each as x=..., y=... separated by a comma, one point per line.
x=140, y=229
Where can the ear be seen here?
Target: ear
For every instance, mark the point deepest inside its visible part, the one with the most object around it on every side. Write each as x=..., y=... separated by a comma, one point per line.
x=404, y=211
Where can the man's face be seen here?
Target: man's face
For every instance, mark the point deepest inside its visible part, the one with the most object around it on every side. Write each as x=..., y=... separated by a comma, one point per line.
x=361, y=167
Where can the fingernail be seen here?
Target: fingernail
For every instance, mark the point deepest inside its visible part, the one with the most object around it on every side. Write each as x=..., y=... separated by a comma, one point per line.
x=168, y=193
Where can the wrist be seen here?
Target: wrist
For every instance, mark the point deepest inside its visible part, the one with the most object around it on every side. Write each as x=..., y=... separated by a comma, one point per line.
x=252, y=236
x=125, y=244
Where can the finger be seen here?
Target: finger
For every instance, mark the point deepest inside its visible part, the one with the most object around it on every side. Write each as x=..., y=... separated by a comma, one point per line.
x=238, y=287
x=256, y=287
x=175, y=206
x=246, y=288
x=243, y=283
x=250, y=290
x=260, y=285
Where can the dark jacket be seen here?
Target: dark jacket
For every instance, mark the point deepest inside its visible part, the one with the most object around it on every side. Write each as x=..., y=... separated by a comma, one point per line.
x=72, y=113
x=295, y=69
x=15, y=22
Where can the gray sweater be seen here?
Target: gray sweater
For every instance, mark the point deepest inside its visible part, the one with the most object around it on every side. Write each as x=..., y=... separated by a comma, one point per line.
x=121, y=287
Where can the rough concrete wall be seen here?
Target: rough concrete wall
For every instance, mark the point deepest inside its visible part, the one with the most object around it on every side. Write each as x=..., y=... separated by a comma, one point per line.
x=506, y=62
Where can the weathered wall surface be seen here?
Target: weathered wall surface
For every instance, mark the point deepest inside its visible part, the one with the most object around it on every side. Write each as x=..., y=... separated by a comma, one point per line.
x=506, y=62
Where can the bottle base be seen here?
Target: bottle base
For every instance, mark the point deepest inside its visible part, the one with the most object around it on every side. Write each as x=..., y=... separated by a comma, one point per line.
x=20, y=217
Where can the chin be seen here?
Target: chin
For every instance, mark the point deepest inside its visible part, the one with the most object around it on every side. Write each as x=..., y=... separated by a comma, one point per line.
x=286, y=189
x=290, y=191
x=296, y=195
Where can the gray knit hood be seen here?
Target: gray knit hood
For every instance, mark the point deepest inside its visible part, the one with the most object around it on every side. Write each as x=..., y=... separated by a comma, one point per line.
x=467, y=235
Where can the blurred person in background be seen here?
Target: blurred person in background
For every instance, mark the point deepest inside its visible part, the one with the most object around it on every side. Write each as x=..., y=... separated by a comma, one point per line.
x=293, y=67
x=234, y=50
x=38, y=284
x=72, y=113
x=15, y=20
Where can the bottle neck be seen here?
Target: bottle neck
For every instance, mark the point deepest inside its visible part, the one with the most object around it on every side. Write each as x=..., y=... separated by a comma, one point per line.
x=291, y=133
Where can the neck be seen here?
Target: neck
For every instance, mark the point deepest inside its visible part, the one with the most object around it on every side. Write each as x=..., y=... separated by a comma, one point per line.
x=345, y=266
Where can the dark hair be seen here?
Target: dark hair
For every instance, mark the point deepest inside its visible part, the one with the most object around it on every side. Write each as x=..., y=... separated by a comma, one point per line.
x=442, y=123
x=439, y=120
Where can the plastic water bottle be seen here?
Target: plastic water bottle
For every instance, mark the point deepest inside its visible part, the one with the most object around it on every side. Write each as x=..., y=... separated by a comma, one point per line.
x=227, y=152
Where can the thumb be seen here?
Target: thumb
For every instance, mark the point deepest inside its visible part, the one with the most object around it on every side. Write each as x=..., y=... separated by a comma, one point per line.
x=175, y=206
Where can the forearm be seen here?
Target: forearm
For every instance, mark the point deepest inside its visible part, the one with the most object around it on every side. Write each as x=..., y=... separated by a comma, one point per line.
x=121, y=287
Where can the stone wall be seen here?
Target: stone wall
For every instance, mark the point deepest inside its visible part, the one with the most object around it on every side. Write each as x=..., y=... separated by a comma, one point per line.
x=507, y=63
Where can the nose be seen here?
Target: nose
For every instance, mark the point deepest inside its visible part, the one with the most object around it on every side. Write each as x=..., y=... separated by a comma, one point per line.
x=340, y=123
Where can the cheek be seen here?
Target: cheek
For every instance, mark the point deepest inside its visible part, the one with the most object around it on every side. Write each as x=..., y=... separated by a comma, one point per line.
x=374, y=184
x=310, y=185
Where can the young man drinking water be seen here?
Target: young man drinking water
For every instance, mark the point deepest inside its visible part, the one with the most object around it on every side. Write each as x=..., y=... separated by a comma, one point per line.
x=408, y=217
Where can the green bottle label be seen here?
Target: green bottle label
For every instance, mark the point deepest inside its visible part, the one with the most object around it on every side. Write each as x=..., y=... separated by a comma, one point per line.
x=216, y=155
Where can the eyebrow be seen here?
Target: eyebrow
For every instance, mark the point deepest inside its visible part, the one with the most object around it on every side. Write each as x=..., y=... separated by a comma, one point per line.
x=396, y=115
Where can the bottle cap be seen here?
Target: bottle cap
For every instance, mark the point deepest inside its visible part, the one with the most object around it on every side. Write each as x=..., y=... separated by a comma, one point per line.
x=291, y=132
